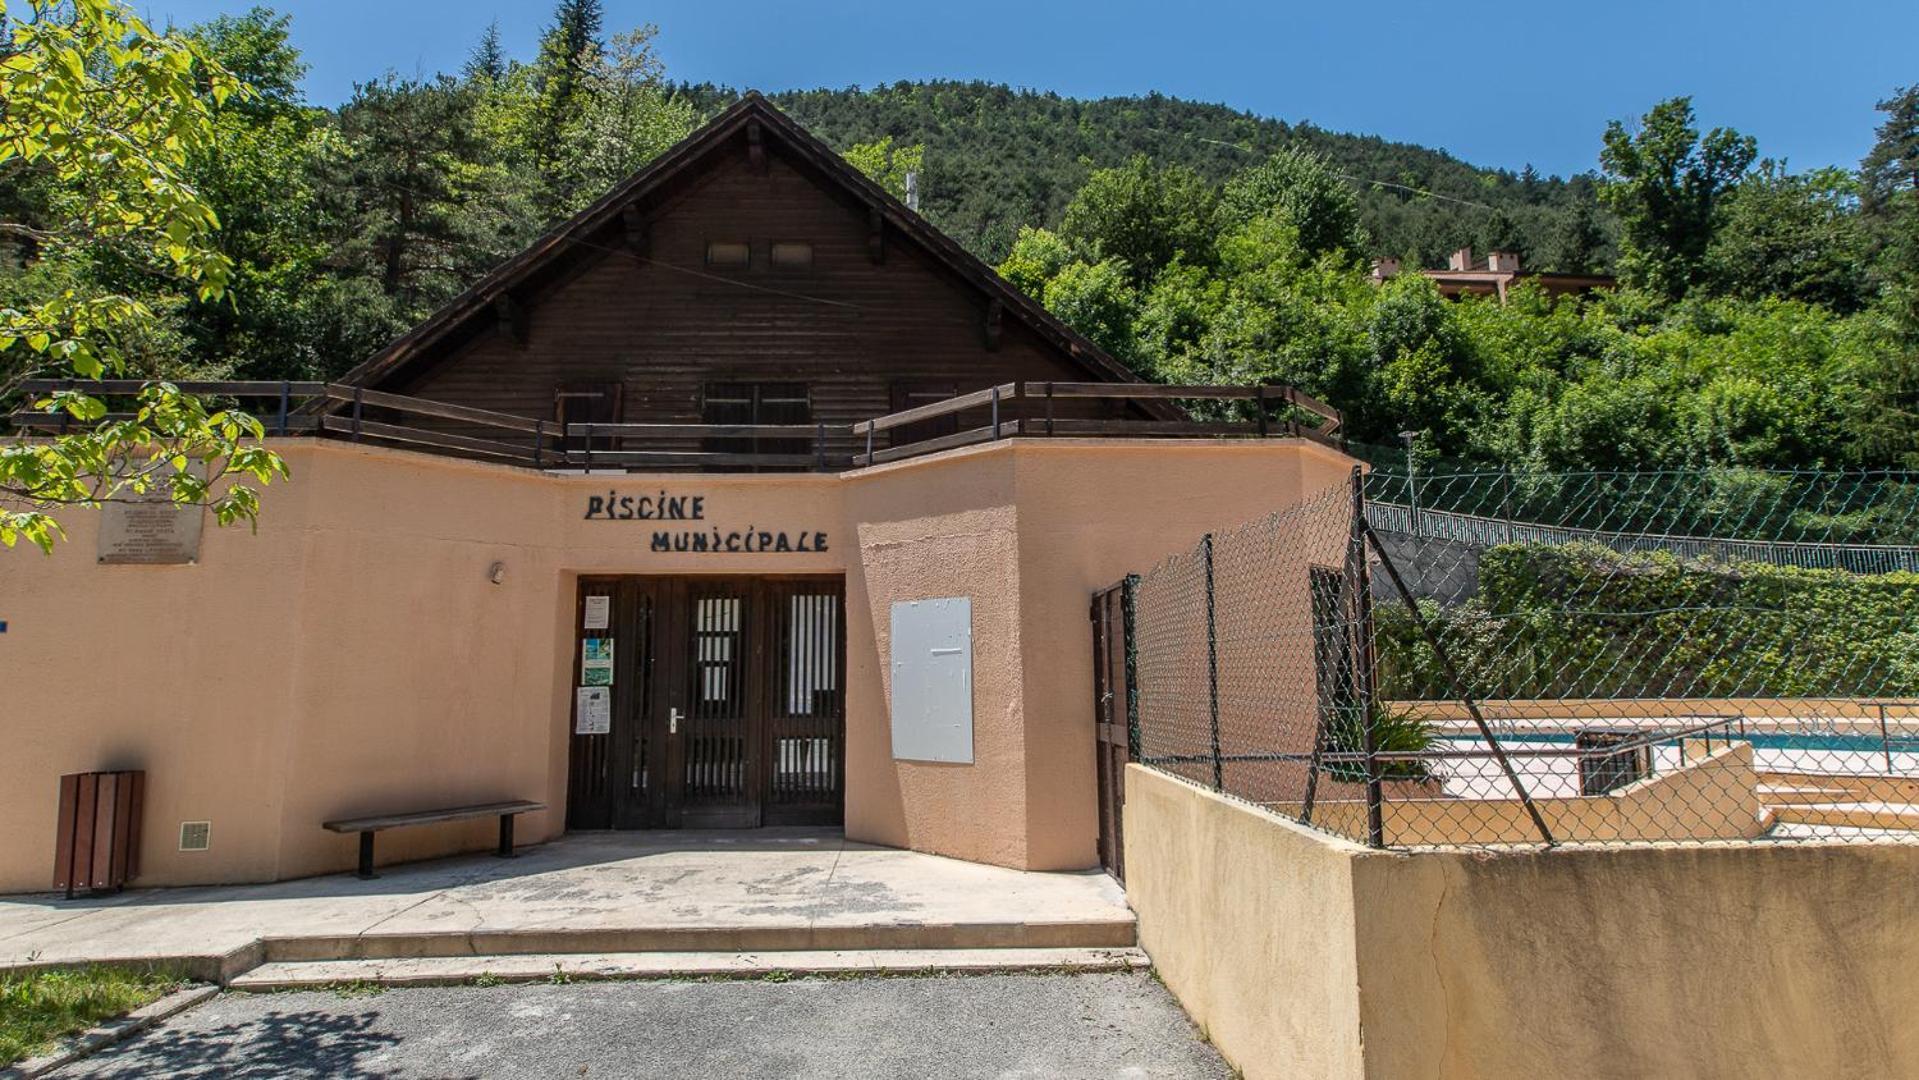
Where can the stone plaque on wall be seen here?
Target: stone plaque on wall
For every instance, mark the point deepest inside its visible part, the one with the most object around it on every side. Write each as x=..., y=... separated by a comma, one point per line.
x=152, y=532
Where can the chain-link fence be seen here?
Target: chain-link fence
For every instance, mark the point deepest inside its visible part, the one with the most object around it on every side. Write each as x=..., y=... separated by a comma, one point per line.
x=1484, y=659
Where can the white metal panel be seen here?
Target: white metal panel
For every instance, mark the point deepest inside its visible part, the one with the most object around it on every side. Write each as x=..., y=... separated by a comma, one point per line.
x=932, y=643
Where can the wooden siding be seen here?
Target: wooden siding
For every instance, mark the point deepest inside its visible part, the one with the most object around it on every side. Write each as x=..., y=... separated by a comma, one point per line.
x=664, y=331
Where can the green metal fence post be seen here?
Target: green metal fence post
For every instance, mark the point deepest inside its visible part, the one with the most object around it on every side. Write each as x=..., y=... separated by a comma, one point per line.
x=1128, y=606
x=1362, y=652
x=1212, y=666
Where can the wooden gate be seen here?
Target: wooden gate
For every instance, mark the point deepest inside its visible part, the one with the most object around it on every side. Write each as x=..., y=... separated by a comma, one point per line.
x=726, y=709
x=1115, y=714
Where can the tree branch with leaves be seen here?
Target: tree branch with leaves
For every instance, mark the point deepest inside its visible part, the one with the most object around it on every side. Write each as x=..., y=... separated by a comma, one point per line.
x=106, y=114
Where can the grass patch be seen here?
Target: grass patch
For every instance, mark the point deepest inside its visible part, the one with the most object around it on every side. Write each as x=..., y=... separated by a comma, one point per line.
x=355, y=988
x=38, y=1008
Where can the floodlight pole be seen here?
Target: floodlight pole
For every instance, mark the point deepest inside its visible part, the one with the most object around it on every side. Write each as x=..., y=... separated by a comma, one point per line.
x=1412, y=478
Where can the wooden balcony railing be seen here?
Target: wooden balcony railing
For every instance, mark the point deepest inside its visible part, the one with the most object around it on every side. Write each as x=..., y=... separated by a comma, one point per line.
x=331, y=410
x=1031, y=409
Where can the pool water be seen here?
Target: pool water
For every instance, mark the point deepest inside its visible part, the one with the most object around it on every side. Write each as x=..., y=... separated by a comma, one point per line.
x=1760, y=740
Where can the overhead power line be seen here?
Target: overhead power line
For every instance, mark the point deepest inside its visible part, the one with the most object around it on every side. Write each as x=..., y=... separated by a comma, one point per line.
x=1343, y=176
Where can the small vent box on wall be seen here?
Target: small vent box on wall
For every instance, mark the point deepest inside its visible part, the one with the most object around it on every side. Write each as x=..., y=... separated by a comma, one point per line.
x=932, y=667
x=196, y=835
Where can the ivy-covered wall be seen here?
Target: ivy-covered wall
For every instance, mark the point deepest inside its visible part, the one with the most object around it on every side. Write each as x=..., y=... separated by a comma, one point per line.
x=1583, y=621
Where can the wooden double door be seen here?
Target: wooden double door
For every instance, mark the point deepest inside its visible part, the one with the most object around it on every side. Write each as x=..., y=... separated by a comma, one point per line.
x=708, y=702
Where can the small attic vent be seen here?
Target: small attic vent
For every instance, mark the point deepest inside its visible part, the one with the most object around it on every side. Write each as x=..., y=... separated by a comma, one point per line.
x=195, y=835
x=729, y=254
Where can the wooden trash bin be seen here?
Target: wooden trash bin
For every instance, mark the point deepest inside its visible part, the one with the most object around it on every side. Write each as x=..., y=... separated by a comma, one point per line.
x=98, y=847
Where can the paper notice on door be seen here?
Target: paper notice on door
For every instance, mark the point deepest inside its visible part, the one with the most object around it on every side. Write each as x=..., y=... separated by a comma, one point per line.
x=592, y=710
x=599, y=612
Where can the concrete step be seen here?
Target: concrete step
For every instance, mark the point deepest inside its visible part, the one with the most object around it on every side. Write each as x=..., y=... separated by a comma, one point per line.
x=1855, y=815
x=1115, y=931
x=1875, y=787
x=542, y=967
x=1776, y=794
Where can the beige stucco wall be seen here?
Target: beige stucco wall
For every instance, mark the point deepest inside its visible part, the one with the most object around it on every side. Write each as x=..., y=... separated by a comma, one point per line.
x=1249, y=920
x=352, y=657
x=1090, y=514
x=1029, y=529
x=1725, y=960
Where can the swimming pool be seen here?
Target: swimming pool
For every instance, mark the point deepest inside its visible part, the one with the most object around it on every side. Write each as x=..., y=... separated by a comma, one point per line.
x=1760, y=740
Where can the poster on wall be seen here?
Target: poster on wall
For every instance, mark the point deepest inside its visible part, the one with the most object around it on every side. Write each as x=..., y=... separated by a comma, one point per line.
x=599, y=612
x=592, y=710
x=596, y=662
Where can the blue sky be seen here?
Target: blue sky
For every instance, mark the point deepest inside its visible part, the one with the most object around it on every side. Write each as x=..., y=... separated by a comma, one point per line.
x=1496, y=84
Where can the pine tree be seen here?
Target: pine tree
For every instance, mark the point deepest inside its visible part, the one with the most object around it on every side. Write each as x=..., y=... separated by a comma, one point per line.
x=1893, y=164
x=487, y=62
x=568, y=51
x=1578, y=243
x=420, y=212
x=576, y=28
x=1500, y=232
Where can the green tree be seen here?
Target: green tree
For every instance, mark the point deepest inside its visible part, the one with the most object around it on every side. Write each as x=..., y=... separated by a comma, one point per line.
x=630, y=115
x=255, y=49
x=1098, y=300
x=1144, y=216
x=1882, y=414
x=1578, y=243
x=569, y=51
x=1000, y=158
x=1301, y=188
x=1265, y=312
x=487, y=62
x=109, y=113
x=886, y=163
x=1423, y=374
x=1885, y=407
x=418, y=207
x=1665, y=184
x=1500, y=231
x=259, y=173
x=1793, y=236
x=1892, y=165
x=1037, y=257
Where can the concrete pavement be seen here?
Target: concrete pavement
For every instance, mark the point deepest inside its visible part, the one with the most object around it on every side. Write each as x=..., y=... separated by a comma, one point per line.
x=768, y=889
x=1040, y=1026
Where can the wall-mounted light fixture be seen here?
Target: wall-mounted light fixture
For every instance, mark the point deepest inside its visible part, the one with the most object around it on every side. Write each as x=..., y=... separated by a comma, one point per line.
x=496, y=573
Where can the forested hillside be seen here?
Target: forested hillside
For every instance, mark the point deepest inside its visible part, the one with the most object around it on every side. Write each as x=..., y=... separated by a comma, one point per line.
x=1765, y=318
x=999, y=158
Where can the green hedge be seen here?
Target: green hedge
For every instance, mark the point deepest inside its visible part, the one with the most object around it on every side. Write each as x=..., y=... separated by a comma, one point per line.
x=1580, y=620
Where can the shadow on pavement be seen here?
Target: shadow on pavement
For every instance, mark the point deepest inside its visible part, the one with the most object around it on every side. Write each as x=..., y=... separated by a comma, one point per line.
x=297, y=1044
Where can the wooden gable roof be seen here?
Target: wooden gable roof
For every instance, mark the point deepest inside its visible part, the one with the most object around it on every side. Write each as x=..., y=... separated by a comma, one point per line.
x=616, y=223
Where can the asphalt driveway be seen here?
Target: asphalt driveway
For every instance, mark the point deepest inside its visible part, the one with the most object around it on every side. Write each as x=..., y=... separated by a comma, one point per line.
x=1107, y=1025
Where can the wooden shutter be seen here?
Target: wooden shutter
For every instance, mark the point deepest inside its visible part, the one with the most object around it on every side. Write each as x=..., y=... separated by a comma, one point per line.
x=911, y=395
x=587, y=403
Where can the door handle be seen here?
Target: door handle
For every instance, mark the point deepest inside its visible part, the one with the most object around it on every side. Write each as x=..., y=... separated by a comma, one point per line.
x=672, y=721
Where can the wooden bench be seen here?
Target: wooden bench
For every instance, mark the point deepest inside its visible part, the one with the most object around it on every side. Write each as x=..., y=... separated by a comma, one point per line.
x=367, y=826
